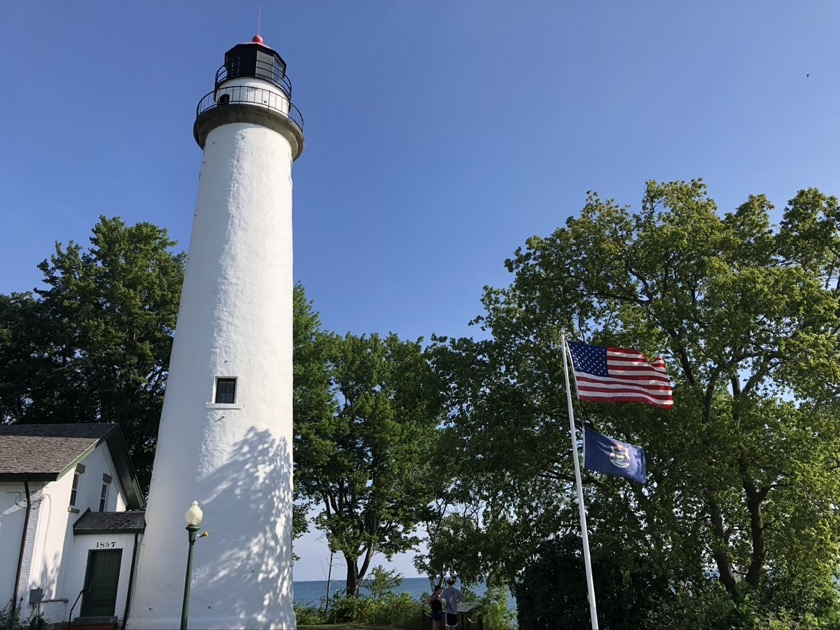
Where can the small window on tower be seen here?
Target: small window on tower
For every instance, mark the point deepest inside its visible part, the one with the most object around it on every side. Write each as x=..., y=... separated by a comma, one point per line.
x=225, y=390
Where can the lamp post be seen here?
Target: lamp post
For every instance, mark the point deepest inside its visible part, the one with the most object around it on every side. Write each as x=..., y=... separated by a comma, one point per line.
x=193, y=518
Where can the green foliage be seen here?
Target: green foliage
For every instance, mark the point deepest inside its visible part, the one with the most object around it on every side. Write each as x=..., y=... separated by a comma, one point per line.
x=697, y=607
x=494, y=609
x=312, y=395
x=343, y=609
x=449, y=538
x=399, y=611
x=94, y=345
x=15, y=619
x=552, y=590
x=381, y=583
x=367, y=461
x=742, y=473
x=309, y=615
x=10, y=618
x=710, y=607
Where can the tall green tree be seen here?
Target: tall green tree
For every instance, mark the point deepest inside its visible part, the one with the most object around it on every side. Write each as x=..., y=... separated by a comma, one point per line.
x=94, y=344
x=366, y=465
x=742, y=473
x=313, y=398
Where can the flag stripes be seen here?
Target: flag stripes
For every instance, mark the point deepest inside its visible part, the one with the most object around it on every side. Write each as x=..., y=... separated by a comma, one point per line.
x=616, y=375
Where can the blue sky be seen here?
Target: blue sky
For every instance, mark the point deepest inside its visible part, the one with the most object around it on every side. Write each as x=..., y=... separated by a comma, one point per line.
x=440, y=134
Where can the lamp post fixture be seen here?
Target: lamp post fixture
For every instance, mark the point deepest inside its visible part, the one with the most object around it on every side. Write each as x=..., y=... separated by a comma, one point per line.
x=193, y=518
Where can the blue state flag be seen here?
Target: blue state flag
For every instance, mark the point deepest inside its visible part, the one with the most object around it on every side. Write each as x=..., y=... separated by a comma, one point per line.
x=607, y=455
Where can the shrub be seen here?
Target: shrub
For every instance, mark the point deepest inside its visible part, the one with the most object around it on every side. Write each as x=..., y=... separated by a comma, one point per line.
x=344, y=609
x=382, y=582
x=712, y=607
x=399, y=611
x=9, y=620
x=309, y=615
x=494, y=608
x=393, y=610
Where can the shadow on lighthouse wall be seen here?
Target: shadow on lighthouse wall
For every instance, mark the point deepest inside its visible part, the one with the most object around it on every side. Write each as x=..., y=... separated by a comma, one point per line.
x=254, y=551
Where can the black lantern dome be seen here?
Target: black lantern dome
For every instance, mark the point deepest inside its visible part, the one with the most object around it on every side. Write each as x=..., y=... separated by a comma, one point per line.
x=251, y=86
x=255, y=60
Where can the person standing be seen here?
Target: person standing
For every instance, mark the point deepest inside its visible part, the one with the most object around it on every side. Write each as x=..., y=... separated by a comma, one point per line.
x=451, y=596
x=437, y=608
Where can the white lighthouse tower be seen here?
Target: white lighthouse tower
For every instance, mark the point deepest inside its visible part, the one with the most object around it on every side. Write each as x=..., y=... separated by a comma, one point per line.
x=225, y=435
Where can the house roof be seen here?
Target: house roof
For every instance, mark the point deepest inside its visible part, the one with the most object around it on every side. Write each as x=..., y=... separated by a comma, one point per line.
x=44, y=452
x=131, y=522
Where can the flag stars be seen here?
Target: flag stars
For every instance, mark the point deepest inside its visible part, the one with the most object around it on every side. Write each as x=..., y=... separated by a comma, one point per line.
x=589, y=359
x=619, y=375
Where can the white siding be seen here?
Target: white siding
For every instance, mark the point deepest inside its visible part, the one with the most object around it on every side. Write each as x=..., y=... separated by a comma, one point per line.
x=55, y=559
x=12, y=517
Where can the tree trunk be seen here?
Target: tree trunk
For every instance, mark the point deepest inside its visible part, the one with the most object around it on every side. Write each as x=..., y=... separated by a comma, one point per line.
x=719, y=552
x=755, y=499
x=354, y=584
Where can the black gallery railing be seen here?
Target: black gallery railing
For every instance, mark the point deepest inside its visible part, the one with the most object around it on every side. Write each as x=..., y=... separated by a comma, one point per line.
x=247, y=95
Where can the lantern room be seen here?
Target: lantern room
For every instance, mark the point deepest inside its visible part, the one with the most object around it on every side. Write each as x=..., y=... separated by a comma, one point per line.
x=255, y=60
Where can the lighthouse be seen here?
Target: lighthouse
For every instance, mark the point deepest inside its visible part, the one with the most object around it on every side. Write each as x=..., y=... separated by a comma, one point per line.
x=225, y=437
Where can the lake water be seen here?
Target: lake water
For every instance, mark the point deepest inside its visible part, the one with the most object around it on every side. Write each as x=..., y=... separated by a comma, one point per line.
x=310, y=593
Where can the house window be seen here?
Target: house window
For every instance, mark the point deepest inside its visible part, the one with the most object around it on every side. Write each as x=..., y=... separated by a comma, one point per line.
x=225, y=391
x=74, y=491
x=103, y=497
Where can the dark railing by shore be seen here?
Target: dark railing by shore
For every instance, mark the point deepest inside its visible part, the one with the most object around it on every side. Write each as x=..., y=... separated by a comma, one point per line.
x=247, y=95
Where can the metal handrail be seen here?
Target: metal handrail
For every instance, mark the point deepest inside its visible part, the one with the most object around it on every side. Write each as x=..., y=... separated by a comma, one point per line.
x=248, y=95
x=73, y=607
x=263, y=70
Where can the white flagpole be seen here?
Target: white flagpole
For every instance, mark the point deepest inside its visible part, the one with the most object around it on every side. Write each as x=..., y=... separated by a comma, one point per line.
x=590, y=586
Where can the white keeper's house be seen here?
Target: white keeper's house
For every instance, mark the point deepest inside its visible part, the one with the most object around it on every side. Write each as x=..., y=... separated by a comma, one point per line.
x=71, y=523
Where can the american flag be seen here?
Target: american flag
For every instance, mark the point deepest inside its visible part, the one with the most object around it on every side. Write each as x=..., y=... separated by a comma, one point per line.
x=616, y=375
